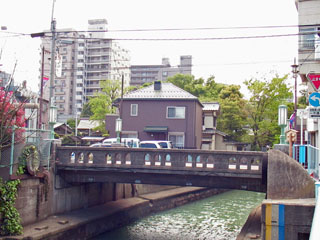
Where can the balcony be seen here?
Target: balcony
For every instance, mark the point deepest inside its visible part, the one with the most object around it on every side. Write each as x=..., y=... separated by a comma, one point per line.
x=102, y=45
x=94, y=86
x=80, y=64
x=79, y=81
x=78, y=97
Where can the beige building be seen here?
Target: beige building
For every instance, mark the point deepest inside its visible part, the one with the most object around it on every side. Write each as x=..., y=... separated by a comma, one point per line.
x=82, y=61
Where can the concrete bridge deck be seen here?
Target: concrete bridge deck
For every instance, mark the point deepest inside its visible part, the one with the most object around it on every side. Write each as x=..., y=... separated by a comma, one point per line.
x=273, y=172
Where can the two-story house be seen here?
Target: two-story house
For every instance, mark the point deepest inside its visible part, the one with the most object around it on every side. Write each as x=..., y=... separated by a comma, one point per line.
x=161, y=111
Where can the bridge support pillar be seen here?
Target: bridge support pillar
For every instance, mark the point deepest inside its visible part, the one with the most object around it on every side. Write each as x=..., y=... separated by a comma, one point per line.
x=286, y=178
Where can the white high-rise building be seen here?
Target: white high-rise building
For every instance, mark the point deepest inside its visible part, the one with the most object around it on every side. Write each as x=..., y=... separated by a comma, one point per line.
x=86, y=59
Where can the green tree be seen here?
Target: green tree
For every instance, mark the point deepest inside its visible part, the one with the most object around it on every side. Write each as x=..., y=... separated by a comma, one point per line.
x=212, y=90
x=302, y=100
x=205, y=90
x=262, y=109
x=187, y=82
x=101, y=103
x=233, y=117
x=86, y=110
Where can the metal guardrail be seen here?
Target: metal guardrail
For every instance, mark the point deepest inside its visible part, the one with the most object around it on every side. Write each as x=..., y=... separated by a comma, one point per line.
x=308, y=156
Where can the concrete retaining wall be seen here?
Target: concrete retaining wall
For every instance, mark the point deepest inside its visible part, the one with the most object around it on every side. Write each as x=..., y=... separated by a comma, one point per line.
x=37, y=200
x=287, y=219
x=287, y=179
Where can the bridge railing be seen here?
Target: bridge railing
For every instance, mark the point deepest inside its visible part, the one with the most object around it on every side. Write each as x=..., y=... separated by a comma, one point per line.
x=308, y=156
x=173, y=159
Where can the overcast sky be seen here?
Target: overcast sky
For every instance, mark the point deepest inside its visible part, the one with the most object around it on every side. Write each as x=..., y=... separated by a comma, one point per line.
x=230, y=61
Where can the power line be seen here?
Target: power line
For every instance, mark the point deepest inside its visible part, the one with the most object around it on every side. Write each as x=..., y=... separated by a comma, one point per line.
x=172, y=29
x=197, y=38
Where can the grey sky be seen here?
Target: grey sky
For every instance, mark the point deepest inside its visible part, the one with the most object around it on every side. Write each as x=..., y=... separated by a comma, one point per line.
x=230, y=61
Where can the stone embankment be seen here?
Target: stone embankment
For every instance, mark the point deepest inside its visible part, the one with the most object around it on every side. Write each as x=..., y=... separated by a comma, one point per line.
x=90, y=222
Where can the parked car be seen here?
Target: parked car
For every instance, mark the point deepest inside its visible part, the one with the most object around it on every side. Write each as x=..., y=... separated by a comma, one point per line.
x=165, y=144
x=150, y=144
x=95, y=145
x=99, y=145
x=129, y=142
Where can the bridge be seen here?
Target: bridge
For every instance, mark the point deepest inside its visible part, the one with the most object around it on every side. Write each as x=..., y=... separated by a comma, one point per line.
x=273, y=172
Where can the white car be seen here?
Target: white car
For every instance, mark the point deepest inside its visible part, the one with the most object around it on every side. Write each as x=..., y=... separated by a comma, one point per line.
x=149, y=144
x=129, y=142
x=165, y=144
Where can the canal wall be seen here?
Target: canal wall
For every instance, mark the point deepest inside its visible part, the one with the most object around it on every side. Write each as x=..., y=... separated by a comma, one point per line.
x=41, y=197
x=89, y=222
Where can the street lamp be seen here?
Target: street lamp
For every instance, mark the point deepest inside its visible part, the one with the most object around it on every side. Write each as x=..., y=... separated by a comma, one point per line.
x=118, y=128
x=282, y=121
x=52, y=119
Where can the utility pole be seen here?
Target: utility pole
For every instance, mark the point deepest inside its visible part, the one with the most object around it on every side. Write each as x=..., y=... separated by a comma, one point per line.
x=295, y=75
x=41, y=90
x=53, y=55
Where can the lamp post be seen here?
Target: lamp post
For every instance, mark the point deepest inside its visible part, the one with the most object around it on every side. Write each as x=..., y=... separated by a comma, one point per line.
x=118, y=128
x=282, y=121
x=52, y=119
x=295, y=75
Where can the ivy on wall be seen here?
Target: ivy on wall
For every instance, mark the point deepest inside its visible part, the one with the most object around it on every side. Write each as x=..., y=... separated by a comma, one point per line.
x=9, y=215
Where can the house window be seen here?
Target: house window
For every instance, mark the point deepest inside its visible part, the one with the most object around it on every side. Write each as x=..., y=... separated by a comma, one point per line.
x=176, y=112
x=134, y=110
x=177, y=139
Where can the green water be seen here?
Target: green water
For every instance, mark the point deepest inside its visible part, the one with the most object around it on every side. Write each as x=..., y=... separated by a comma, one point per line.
x=217, y=217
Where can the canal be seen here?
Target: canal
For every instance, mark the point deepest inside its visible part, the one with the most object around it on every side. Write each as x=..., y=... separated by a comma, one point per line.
x=217, y=217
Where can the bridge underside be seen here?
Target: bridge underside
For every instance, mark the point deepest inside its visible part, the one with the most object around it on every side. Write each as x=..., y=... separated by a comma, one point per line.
x=175, y=178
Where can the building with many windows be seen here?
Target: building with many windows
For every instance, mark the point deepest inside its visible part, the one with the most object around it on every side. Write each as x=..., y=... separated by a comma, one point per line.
x=141, y=74
x=82, y=61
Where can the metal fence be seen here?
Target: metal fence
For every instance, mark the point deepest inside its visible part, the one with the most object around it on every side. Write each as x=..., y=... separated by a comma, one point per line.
x=308, y=156
x=42, y=140
x=23, y=137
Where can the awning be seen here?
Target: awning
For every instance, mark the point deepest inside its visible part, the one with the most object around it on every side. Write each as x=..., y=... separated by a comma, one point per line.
x=155, y=129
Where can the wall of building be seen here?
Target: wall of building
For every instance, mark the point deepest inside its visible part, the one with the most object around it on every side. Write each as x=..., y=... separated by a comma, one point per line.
x=308, y=14
x=153, y=113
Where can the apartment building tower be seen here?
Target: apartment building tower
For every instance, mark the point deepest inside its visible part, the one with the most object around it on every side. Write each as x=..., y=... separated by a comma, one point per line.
x=82, y=61
x=141, y=74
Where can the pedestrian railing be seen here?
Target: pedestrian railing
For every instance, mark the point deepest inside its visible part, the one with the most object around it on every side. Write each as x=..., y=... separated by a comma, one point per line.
x=307, y=156
x=21, y=138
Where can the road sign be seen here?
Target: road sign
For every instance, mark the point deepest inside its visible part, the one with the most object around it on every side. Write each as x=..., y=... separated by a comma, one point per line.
x=314, y=112
x=314, y=99
x=314, y=78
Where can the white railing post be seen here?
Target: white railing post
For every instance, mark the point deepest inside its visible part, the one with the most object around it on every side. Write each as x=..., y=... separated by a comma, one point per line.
x=315, y=230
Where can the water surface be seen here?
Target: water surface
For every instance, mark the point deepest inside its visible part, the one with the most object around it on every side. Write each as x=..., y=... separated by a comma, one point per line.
x=217, y=217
